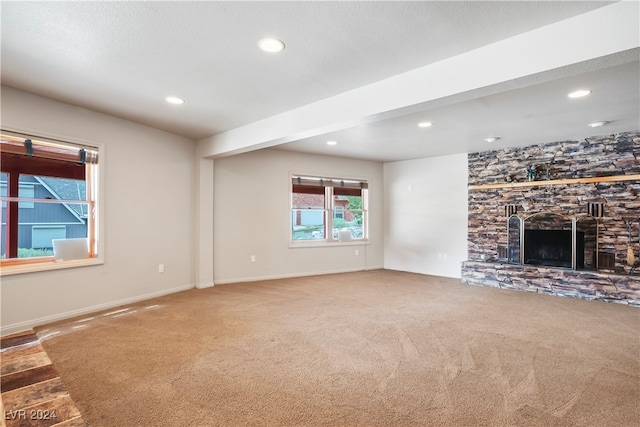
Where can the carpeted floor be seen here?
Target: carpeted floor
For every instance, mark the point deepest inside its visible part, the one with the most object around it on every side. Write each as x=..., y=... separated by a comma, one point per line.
x=376, y=348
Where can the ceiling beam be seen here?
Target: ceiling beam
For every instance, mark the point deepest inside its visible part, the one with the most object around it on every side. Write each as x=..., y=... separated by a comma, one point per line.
x=603, y=37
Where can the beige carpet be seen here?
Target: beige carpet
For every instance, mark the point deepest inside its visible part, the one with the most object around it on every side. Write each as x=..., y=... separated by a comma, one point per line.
x=377, y=348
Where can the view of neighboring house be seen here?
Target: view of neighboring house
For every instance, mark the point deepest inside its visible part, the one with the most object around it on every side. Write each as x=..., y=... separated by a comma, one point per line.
x=40, y=223
x=308, y=213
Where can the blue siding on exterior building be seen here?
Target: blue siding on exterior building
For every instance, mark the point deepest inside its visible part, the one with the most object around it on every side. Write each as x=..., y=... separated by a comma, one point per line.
x=43, y=215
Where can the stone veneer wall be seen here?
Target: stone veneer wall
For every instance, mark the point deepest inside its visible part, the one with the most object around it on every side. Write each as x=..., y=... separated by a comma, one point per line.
x=609, y=155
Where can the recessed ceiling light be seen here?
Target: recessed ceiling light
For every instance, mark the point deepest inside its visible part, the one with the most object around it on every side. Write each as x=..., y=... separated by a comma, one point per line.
x=271, y=45
x=332, y=142
x=492, y=139
x=425, y=124
x=174, y=100
x=579, y=93
x=597, y=124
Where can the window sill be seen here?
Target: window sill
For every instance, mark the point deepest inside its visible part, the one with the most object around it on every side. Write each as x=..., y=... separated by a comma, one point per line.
x=34, y=267
x=324, y=244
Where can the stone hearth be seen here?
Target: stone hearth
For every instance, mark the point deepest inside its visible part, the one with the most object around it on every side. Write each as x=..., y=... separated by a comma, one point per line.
x=589, y=285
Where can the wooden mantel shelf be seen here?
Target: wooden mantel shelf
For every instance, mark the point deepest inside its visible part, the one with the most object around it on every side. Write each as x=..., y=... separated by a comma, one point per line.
x=616, y=178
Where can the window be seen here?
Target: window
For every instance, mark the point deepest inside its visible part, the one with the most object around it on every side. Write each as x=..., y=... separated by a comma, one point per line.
x=328, y=209
x=49, y=191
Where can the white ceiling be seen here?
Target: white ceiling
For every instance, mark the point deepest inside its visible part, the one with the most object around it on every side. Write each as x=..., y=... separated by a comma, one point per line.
x=124, y=58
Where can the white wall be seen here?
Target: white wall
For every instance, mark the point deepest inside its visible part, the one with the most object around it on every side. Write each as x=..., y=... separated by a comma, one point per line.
x=148, y=215
x=252, y=217
x=204, y=198
x=425, y=227
x=153, y=203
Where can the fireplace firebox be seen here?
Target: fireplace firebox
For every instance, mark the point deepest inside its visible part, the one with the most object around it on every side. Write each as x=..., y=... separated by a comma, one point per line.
x=553, y=240
x=553, y=248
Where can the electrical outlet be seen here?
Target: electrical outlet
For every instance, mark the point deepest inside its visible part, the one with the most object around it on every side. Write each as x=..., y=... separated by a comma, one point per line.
x=253, y=258
x=357, y=252
x=160, y=268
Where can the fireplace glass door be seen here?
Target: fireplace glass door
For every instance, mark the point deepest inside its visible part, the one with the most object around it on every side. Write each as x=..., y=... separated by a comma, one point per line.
x=586, y=243
x=514, y=231
x=548, y=240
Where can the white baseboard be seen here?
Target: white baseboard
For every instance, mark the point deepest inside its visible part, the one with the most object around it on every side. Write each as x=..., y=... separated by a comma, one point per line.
x=21, y=326
x=292, y=275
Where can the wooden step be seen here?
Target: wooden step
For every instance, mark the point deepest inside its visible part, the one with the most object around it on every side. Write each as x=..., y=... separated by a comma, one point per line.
x=32, y=392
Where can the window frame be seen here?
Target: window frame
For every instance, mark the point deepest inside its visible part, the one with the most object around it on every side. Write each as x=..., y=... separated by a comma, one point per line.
x=95, y=190
x=329, y=214
x=21, y=189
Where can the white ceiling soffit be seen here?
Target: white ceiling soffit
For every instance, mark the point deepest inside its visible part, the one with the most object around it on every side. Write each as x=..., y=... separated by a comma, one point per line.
x=348, y=66
x=563, y=49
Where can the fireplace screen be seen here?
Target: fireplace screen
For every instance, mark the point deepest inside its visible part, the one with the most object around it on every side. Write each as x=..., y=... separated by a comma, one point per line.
x=588, y=226
x=553, y=240
x=514, y=229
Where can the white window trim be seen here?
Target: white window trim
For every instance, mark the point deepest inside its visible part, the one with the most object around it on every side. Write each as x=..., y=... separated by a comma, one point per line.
x=329, y=241
x=48, y=266
x=323, y=243
x=11, y=270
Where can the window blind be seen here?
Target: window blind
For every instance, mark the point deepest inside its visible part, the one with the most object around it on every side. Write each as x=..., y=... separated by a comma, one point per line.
x=316, y=185
x=24, y=145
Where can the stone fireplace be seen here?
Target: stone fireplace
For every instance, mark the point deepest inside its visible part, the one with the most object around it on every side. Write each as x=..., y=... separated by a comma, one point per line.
x=557, y=218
